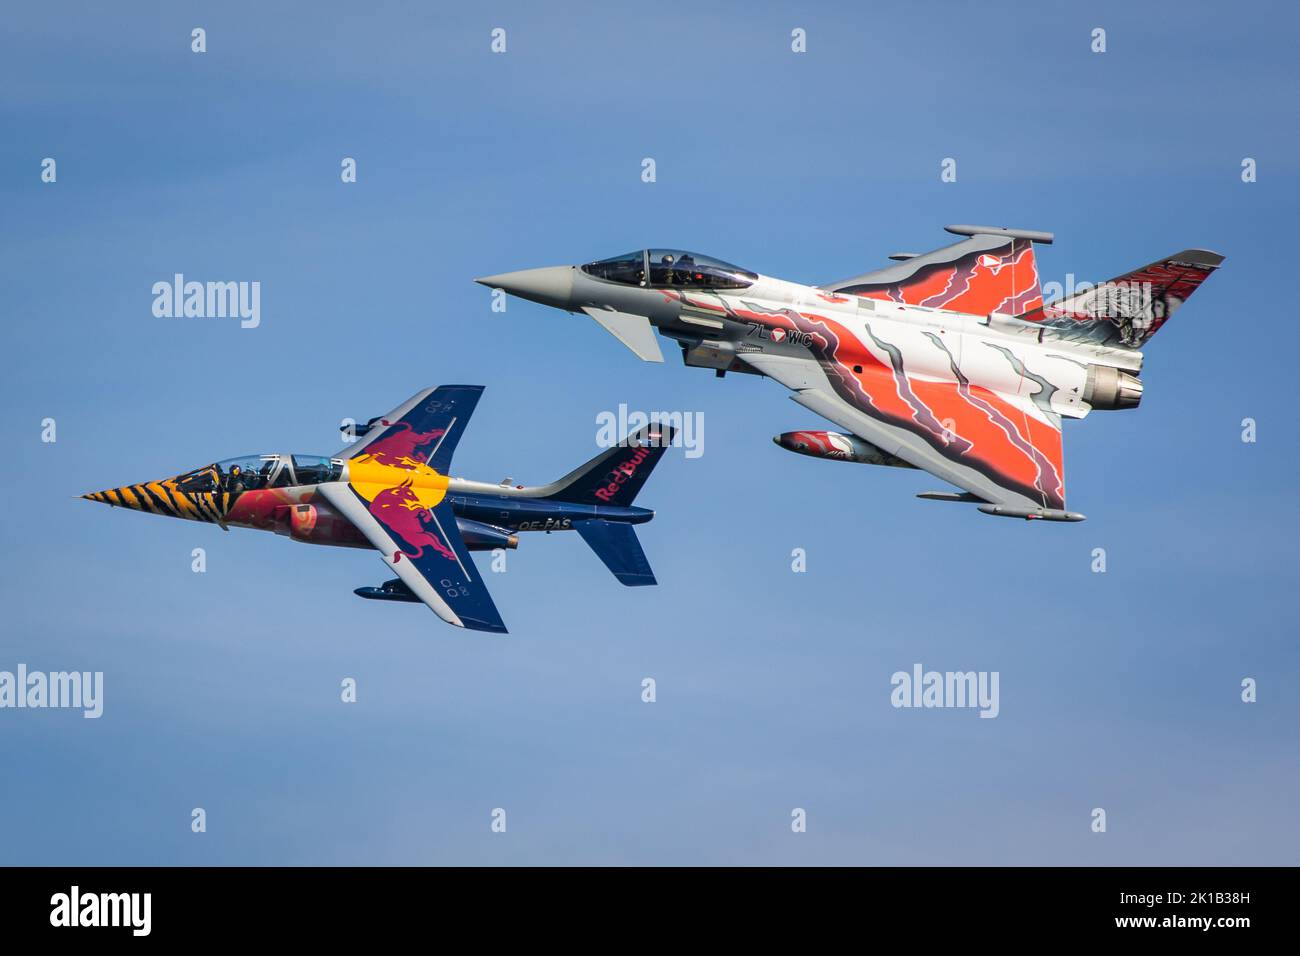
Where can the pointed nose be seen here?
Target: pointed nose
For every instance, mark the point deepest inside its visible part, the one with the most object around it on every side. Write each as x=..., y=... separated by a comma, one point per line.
x=167, y=497
x=551, y=286
x=128, y=496
x=152, y=496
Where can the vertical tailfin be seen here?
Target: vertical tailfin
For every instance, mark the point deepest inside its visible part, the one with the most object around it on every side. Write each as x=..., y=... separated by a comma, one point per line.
x=615, y=476
x=1126, y=311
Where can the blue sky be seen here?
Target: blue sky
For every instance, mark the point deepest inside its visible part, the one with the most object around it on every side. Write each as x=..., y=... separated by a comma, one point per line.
x=1118, y=690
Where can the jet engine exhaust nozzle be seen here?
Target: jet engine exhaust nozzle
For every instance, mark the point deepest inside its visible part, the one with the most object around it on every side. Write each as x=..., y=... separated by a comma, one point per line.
x=1108, y=388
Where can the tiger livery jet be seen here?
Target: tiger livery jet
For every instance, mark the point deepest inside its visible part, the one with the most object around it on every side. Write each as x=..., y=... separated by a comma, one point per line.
x=948, y=361
x=391, y=491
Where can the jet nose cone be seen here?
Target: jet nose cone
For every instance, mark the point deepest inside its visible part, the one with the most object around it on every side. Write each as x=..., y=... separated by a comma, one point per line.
x=551, y=286
x=135, y=497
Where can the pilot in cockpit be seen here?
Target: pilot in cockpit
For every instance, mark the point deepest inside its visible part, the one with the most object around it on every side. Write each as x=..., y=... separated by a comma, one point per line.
x=666, y=274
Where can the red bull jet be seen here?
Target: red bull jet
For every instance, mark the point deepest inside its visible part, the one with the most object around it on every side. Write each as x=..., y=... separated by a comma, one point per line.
x=948, y=361
x=392, y=491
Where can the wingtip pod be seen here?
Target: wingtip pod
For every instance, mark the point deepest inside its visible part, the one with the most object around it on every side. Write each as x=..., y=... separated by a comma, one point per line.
x=1031, y=514
x=1033, y=235
x=1002, y=511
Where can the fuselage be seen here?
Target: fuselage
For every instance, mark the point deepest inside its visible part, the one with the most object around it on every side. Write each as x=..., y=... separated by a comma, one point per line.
x=720, y=315
x=269, y=493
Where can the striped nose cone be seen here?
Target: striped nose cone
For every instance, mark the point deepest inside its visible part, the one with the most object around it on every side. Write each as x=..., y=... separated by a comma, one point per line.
x=136, y=497
x=165, y=498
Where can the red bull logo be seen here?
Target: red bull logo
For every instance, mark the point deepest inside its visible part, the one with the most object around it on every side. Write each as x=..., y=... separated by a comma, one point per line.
x=621, y=473
x=399, y=445
x=400, y=511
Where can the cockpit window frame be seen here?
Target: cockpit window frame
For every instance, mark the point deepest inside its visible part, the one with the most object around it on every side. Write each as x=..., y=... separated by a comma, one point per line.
x=270, y=471
x=706, y=273
x=586, y=268
x=713, y=274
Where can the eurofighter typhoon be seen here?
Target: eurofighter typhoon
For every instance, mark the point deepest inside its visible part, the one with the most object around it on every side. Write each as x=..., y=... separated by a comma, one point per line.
x=948, y=361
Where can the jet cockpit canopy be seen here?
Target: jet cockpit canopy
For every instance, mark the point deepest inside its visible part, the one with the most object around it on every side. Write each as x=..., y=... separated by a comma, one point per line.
x=671, y=268
x=252, y=472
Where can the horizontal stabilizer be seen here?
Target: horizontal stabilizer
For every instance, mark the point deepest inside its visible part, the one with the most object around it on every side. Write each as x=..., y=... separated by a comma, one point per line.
x=634, y=331
x=616, y=544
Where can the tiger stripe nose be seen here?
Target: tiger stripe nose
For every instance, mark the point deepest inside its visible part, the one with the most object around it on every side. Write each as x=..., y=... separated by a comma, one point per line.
x=127, y=496
x=165, y=498
x=112, y=497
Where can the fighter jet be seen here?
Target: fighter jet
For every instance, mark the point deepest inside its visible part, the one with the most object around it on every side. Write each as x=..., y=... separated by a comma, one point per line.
x=948, y=361
x=391, y=491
